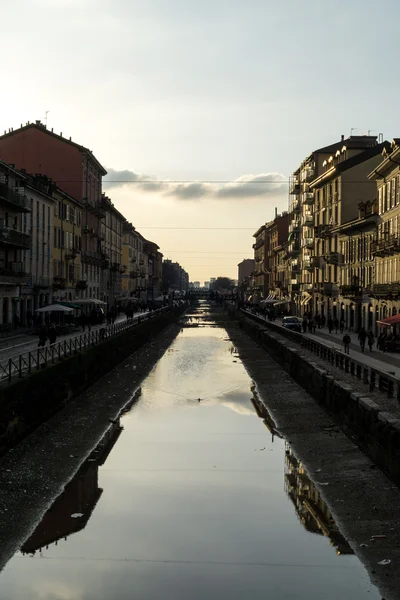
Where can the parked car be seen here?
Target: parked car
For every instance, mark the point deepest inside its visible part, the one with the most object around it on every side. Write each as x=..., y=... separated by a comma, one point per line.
x=292, y=323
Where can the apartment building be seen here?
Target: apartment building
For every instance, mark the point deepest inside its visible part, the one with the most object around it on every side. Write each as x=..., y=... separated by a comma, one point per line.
x=153, y=256
x=69, y=282
x=15, y=241
x=385, y=282
x=338, y=192
x=174, y=277
x=245, y=269
x=276, y=237
x=74, y=169
x=260, y=281
x=129, y=261
x=112, y=267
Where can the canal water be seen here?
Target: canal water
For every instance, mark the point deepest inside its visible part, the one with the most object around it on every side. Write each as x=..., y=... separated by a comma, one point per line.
x=189, y=496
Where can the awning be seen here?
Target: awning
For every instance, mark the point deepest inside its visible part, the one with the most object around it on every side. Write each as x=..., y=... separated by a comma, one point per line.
x=90, y=301
x=250, y=298
x=70, y=305
x=395, y=320
x=282, y=302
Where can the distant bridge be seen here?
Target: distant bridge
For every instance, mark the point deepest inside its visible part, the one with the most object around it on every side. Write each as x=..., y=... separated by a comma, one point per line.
x=199, y=293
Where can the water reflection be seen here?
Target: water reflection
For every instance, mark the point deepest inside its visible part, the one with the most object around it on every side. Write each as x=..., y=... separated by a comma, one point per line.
x=79, y=497
x=311, y=509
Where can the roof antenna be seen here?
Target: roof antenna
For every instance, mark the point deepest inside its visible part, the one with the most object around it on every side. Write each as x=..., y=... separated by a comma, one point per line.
x=45, y=121
x=353, y=129
x=369, y=131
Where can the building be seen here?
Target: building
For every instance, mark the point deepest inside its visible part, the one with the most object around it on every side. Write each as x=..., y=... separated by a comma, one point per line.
x=68, y=281
x=277, y=235
x=384, y=284
x=15, y=241
x=338, y=192
x=196, y=284
x=245, y=269
x=112, y=266
x=74, y=169
x=206, y=285
x=260, y=281
x=174, y=277
x=154, y=265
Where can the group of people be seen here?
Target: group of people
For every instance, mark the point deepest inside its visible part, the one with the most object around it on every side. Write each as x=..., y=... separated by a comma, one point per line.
x=47, y=331
x=364, y=338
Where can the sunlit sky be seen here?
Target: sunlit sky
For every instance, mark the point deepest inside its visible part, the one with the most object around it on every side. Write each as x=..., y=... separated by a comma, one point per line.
x=217, y=90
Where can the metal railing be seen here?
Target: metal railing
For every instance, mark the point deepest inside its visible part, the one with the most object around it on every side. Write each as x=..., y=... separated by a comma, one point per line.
x=375, y=379
x=43, y=357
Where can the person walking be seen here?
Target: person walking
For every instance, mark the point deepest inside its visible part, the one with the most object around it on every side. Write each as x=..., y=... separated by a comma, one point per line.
x=362, y=337
x=318, y=320
x=52, y=333
x=371, y=339
x=341, y=325
x=42, y=335
x=336, y=324
x=304, y=324
x=323, y=321
x=330, y=324
x=346, y=343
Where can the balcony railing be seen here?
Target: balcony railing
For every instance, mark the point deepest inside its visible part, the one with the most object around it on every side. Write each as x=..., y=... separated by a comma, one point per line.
x=386, y=289
x=294, y=226
x=41, y=282
x=306, y=264
x=351, y=291
x=317, y=262
x=322, y=231
x=71, y=253
x=386, y=246
x=308, y=197
x=294, y=187
x=307, y=174
x=13, y=274
x=295, y=208
x=293, y=248
x=15, y=238
x=307, y=242
x=308, y=219
x=17, y=201
x=59, y=283
x=334, y=258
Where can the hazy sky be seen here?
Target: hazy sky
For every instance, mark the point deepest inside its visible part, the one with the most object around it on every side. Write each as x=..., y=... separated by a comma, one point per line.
x=184, y=90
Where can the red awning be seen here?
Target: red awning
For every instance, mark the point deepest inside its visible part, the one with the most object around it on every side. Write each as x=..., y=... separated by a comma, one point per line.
x=389, y=321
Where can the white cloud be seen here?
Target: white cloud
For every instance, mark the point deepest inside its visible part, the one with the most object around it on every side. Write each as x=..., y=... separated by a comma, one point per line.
x=246, y=186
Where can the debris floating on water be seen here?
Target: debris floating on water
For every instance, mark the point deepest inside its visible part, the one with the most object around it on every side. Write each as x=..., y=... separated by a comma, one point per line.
x=76, y=515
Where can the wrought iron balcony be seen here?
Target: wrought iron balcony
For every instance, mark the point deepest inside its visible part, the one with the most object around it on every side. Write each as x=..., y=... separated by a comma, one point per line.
x=13, y=274
x=307, y=264
x=294, y=187
x=71, y=253
x=13, y=237
x=322, y=231
x=294, y=226
x=308, y=198
x=293, y=248
x=386, y=246
x=19, y=202
x=59, y=283
x=308, y=219
x=334, y=258
x=351, y=291
x=307, y=242
x=295, y=207
x=386, y=289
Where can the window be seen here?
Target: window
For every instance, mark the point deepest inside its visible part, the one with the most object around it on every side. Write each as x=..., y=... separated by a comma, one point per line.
x=55, y=237
x=393, y=198
x=62, y=239
x=56, y=209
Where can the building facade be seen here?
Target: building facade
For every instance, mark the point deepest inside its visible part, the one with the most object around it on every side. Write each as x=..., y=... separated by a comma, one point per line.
x=74, y=169
x=112, y=267
x=245, y=269
x=15, y=242
x=260, y=283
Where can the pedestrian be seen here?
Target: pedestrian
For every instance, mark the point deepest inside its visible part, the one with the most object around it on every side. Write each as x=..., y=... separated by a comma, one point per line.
x=82, y=320
x=310, y=324
x=29, y=318
x=16, y=321
x=336, y=324
x=52, y=333
x=304, y=324
x=323, y=321
x=341, y=325
x=346, y=343
x=42, y=335
x=371, y=339
x=362, y=337
x=314, y=325
x=330, y=324
x=318, y=319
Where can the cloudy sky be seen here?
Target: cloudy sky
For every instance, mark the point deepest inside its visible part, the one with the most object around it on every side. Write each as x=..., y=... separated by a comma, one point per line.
x=173, y=95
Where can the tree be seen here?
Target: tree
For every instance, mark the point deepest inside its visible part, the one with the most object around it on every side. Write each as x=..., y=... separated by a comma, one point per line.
x=222, y=284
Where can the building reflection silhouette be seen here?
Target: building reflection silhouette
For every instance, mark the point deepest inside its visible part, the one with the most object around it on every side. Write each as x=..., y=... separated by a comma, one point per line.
x=312, y=511
x=80, y=496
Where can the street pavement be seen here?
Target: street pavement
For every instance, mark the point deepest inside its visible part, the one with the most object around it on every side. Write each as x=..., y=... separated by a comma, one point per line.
x=26, y=342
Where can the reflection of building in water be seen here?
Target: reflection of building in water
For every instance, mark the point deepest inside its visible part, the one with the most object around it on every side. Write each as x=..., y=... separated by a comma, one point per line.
x=310, y=508
x=80, y=495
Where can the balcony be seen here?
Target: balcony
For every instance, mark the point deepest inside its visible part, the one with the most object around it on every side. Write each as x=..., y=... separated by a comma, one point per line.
x=293, y=248
x=386, y=246
x=71, y=253
x=307, y=174
x=41, y=282
x=13, y=274
x=96, y=208
x=307, y=264
x=317, y=262
x=351, y=291
x=334, y=258
x=15, y=238
x=323, y=231
x=294, y=187
x=59, y=283
x=308, y=287
x=115, y=266
x=294, y=226
x=308, y=198
x=295, y=208
x=257, y=244
x=307, y=242
x=16, y=201
x=386, y=289
x=308, y=219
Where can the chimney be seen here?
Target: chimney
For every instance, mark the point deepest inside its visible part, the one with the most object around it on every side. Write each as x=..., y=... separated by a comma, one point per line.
x=61, y=134
x=38, y=122
x=342, y=137
x=276, y=212
x=51, y=130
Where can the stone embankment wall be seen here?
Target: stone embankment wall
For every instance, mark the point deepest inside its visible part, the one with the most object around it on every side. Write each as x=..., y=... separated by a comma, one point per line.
x=26, y=403
x=376, y=431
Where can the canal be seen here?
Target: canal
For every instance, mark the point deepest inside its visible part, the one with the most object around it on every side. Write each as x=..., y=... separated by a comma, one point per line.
x=189, y=496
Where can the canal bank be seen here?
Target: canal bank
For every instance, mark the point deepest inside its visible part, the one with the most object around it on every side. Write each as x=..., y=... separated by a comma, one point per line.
x=195, y=498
